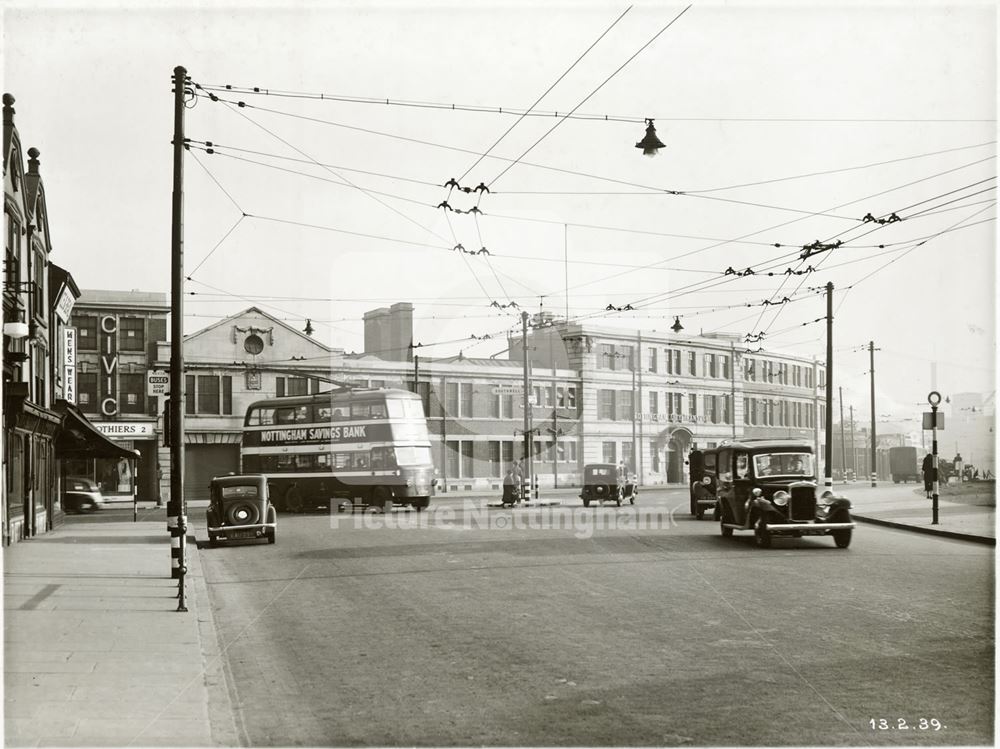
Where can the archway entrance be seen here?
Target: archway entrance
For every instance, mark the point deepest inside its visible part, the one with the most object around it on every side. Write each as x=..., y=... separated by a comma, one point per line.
x=678, y=443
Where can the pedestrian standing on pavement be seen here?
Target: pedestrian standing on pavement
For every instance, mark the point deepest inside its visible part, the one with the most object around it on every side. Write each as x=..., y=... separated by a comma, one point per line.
x=519, y=479
x=928, y=468
x=159, y=485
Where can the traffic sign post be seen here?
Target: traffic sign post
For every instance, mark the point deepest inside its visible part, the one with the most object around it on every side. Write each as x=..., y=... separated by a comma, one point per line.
x=934, y=398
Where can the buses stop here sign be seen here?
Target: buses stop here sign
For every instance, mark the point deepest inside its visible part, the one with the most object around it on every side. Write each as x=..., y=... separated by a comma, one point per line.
x=157, y=382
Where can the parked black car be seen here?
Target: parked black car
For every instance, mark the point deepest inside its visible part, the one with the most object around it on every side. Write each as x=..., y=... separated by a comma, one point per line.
x=770, y=487
x=240, y=508
x=605, y=482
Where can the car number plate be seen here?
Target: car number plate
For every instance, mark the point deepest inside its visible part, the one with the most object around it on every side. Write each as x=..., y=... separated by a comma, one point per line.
x=241, y=534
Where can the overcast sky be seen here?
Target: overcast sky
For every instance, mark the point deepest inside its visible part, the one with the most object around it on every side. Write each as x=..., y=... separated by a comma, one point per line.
x=783, y=124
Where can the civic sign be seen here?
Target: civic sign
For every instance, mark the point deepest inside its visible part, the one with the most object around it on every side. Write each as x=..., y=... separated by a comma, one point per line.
x=157, y=382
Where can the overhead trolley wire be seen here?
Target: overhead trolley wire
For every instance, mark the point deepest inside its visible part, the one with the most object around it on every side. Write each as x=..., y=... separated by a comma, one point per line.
x=588, y=96
x=545, y=93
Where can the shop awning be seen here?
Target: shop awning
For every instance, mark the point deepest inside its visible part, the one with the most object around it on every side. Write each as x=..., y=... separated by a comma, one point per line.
x=78, y=438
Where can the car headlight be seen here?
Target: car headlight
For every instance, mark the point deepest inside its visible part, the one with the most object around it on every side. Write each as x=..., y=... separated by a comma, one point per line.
x=780, y=498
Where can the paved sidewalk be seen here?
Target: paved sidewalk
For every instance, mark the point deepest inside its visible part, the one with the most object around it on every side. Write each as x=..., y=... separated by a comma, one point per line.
x=95, y=652
x=905, y=507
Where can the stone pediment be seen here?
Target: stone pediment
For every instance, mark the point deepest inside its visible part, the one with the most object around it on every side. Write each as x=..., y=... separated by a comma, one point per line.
x=254, y=337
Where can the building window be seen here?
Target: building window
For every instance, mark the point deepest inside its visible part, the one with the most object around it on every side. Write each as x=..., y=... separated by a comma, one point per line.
x=709, y=365
x=623, y=405
x=692, y=363
x=693, y=405
x=452, y=460
x=727, y=409
x=654, y=458
x=507, y=452
x=86, y=333
x=608, y=452
x=467, y=463
x=451, y=398
x=654, y=402
x=605, y=404
x=133, y=395
x=627, y=455
x=724, y=366
x=132, y=334
x=496, y=466
x=288, y=386
x=711, y=408
x=606, y=360
x=652, y=359
x=571, y=397
x=466, y=404
x=750, y=370
x=208, y=394
x=39, y=296
x=673, y=361
x=86, y=391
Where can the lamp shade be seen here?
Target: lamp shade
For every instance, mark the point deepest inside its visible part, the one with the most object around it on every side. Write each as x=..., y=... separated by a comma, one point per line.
x=677, y=327
x=15, y=330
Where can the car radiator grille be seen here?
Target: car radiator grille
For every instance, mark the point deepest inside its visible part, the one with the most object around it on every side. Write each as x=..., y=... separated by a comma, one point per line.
x=803, y=504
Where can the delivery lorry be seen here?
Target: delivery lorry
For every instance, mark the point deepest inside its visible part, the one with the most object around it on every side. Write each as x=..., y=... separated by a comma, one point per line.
x=903, y=464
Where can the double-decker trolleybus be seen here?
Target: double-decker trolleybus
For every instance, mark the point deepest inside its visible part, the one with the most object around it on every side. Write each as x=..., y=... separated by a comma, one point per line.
x=347, y=447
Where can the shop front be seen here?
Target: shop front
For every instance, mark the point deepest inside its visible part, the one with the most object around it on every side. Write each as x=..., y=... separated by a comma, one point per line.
x=85, y=451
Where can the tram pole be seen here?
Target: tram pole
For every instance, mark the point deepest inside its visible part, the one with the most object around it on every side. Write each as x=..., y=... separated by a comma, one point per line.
x=828, y=452
x=176, y=520
x=871, y=354
x=529, y=469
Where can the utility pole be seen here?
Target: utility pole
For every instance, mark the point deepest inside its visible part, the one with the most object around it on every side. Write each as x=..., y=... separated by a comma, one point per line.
x=854, y=454
x=631, y=362
x=176, y=511
x=732, y=383
x=527, y=389
x=828, y=457
x=843, y=445
x=871, y=354
x=639, y=406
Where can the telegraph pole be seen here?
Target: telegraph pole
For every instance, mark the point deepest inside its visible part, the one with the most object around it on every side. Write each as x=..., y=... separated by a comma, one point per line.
x=527, y=407
x=871, y=354
x=843, y=445
x=638, y=359
x=854, y=452
x=828, y=456
x=176, y=515
x=416, y=373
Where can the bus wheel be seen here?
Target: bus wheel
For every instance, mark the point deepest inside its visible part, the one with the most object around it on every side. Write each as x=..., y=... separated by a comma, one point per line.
x=382, y=499
x=293, y=500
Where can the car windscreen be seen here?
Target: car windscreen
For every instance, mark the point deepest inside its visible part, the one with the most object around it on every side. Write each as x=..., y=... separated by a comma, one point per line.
x=784, y=464
x=242, y=491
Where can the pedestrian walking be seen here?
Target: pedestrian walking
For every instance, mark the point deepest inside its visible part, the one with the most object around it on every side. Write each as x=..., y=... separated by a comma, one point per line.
x=928, y=469
x=519, y=479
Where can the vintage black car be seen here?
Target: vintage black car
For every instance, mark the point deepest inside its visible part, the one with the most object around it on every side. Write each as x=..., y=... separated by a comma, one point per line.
x=704, y=481
x=606, y=482
x=770, y=487
x=81, y=494
x=240, y=508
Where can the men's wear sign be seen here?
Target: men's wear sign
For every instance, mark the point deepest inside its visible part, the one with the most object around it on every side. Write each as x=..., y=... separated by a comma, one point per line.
x=69, y=364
